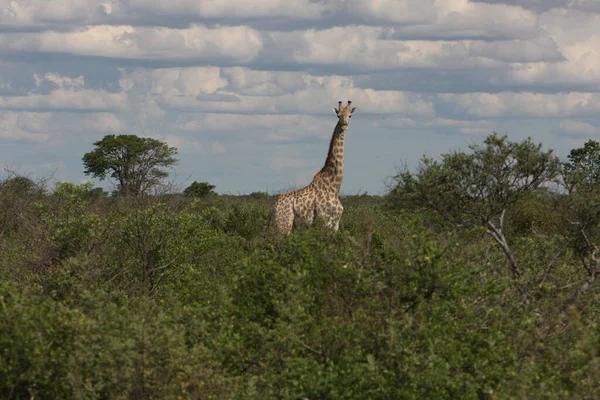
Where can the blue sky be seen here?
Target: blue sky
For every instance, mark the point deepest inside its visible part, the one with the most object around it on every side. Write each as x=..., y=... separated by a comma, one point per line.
x=244, y=89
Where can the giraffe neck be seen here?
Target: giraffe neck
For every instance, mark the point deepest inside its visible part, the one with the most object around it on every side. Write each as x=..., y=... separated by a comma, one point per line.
x=333, y=170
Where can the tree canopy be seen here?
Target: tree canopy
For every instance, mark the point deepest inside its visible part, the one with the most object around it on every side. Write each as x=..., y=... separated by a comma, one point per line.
x=475, y=189
x=21, y=185
x=137, y=164
x=582, y=170
x=199, y=189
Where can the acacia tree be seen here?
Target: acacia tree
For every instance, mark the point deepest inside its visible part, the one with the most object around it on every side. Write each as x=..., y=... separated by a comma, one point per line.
x=17, y=195
x=199, y=189
x=476, y=189
x=582, y=170
x=135, y=163
x=581, y=208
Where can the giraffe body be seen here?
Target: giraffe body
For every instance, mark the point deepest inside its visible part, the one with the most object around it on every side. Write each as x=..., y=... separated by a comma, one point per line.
x=320, y=197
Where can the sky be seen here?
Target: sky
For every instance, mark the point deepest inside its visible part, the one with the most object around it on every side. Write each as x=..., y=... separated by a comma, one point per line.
x=245, y=89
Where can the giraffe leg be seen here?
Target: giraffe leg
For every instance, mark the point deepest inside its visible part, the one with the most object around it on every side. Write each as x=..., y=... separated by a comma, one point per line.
x=339, y=209
x=328, y=211
x=333, y=214
x=304, y=210
x=283, y=216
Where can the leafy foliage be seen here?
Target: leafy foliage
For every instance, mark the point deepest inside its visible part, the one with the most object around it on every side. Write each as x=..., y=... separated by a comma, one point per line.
x=199, y=189
x=582, y=170
x=473, y=189
x=21, y=185
x=134, y=162
x=476, y=189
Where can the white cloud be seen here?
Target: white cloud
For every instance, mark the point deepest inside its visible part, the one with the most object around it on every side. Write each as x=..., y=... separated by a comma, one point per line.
x=272, y=126
x=394, y=11
x=62, y=82
x=437, y=17
x=194, y=146
x=526, y=104
x=91, y=100
x=42, y=13
x=231, y=9
x=267, y=83
x=544, y=5
x=208, y=90
x=469, y=20
x=85, y=124
x=366, y=49
x=579, y=128
x=173, y=87
x=439, y=125
x=22, y=126
x=521, y=51
x=580, y=74
x=577, y=37
x=197, y=42
x=58, y=128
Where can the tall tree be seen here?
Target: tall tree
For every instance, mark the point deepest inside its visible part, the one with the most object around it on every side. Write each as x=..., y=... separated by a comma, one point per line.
x=477, y=188
x=582, y=170
x=137, y=164
x=581, y=209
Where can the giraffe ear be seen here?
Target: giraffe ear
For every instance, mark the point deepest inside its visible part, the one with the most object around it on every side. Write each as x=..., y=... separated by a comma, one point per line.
x=351, y=111
x=336, y=111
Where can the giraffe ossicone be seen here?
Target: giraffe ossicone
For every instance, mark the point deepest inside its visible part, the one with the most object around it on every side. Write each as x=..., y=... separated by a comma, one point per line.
x=320, y=197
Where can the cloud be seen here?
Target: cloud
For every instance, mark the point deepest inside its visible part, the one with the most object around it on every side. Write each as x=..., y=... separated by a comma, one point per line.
x=22, y=127
x=59, y=81
x=443, y=17
x=267, y=83
x=542, y=49
x=525, y=104
x=463, y=19
x=50, y=129
x=441, y=125
x=175, y=87
x=42, y=14
x=362, y=49
x=405, y=12
x=229, y=9
x=62, y=14
x=369, y=49
x=178, y=89
x=545, y=5
x=86, y=124
x=197, y=42
x=66, y=99
x=579, y=129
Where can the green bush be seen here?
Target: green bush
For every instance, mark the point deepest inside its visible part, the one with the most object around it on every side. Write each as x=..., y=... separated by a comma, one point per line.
x=101, y=349
x=259, y=195
x=70, y=225
x=200, y=189
x=34, y=338
x=168, y=297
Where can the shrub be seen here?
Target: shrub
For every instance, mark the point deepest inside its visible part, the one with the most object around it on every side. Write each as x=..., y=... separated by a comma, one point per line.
x=69, y=223
x=200, y=189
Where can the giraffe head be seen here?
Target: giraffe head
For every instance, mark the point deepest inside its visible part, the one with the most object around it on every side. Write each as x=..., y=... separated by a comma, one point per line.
x=344, y=113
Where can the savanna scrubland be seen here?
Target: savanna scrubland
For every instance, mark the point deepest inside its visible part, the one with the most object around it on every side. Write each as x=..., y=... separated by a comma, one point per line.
x=473, y=278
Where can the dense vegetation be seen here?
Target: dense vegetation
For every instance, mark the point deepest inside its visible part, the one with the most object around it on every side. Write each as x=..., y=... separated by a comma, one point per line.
x=466, y=281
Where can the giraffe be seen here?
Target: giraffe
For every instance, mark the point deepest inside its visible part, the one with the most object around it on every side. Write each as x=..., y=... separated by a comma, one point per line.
x=320, y=197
